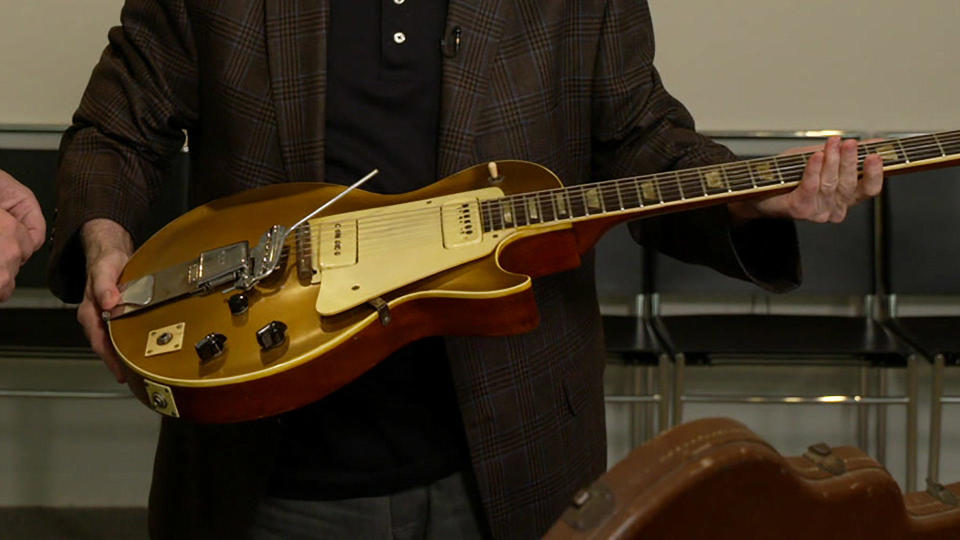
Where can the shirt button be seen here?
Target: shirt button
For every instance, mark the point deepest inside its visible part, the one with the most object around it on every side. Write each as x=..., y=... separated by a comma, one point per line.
x=399, y=37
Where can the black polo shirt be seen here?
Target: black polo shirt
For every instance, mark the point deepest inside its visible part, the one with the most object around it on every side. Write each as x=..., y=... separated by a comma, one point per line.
x=398, y=425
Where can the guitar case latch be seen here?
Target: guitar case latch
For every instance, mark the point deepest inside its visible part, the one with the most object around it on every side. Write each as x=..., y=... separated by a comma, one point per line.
x=939, y=492
x=822, y=456
x=383, y=310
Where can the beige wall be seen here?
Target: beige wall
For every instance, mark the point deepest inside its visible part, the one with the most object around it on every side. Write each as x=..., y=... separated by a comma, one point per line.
x=47, y=49
x=877, y=65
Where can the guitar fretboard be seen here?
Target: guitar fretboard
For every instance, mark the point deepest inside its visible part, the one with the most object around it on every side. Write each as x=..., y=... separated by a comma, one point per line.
x=639, y=193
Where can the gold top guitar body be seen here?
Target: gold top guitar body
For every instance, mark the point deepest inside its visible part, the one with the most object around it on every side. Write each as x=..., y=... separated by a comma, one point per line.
x=421, y=258
x=228, y=317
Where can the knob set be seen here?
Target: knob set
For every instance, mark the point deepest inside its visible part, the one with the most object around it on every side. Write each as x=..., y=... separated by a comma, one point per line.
x=211, y=346
x=272, y=335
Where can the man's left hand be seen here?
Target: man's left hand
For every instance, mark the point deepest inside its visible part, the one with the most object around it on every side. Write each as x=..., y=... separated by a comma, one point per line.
x=830, y=185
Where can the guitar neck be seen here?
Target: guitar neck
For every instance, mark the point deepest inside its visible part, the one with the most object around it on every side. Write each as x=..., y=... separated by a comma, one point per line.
x=701, y=186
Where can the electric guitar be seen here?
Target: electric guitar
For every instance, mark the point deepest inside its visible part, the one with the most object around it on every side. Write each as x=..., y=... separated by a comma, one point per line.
x=227, y=315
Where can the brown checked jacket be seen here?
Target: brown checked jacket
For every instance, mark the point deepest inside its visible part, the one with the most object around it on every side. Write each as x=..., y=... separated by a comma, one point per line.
x=569, y=84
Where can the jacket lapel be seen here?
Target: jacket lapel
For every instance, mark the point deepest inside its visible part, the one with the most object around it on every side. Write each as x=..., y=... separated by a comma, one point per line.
x=465, y=79
x=296, y=33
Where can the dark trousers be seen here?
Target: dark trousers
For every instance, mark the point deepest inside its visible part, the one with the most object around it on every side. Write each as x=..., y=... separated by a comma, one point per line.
x=446, y=509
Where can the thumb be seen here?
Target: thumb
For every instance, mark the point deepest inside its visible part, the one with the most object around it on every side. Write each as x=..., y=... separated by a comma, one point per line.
x=105, y=288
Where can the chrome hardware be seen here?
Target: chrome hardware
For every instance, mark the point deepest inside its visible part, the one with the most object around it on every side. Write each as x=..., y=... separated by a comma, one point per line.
x=160, y=398
x=822, y=456
x=138, y=292
x=164, y=340
x=941, y=493
x=234, y=263
x=220, y=266
x=383, y=310
x=590, y=507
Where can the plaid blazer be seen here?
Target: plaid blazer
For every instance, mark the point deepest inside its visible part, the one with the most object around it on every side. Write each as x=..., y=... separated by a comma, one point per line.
x=569, y=84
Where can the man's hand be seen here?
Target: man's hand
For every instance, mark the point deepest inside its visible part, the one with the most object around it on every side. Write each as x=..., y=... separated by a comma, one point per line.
x=828, y=188
x=22, y=230
x=107, y=246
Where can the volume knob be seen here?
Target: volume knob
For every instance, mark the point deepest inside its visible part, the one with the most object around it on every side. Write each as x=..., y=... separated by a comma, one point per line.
x=239, y=303
x=272, y=335
x=211, y=346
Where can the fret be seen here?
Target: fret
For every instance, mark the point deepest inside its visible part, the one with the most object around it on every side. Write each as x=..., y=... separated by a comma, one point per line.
x=690, y=184
x=629, y=195
x=669, y=190
x=520, y=214
x=534, y=212
x=616, y=188
x=738, y=176
x=903, y=152
x=792, y=167
x=592, y=201
x=562, y=200
x=951, y=142
x=507, y=214
x=610, y=197
x=921, y=148
x=578, y=203
x=548, y=212
x=496, y=215
x=887, y=151
x=649, y=191
x=714, y=179
x=764, y=173
x=636, y=187
x=940, y=146
x=678, y=180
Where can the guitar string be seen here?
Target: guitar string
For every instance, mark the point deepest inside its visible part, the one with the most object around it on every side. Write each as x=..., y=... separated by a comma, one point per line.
x=934, y=142
x=671, y=181
x=384, y=240
x=668, y=181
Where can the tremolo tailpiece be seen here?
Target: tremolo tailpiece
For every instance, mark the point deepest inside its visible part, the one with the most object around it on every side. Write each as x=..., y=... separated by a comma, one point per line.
x=234, y=264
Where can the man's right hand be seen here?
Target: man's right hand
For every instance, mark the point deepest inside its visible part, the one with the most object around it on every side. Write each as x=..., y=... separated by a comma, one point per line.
x=107, y=246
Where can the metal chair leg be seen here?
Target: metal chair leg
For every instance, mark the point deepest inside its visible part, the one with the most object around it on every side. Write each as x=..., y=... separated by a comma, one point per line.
x=881, y=434
x=678, y=383
x=912, y=392
x=663, y=405
x=862, y=418
x=936, y=406
x=635, y=413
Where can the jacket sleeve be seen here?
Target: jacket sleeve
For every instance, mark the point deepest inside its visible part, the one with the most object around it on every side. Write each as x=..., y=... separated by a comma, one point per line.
x=131, y=120
x=639, y=128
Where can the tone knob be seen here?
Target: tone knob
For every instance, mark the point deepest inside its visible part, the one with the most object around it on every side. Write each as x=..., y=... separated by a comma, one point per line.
x=211, y=346
x=272, y=335
x=239, y=304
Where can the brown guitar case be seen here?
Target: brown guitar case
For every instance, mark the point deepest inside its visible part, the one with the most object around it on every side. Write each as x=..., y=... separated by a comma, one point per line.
x=716, y=479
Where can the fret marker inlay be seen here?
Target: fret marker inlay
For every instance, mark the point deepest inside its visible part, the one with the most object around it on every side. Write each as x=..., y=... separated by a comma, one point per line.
x=714, y=179
x=593, y=199
x=764, y=171
x=888, y=152
x=649, y=189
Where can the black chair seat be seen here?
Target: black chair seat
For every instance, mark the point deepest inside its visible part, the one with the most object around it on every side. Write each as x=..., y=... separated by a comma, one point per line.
x=700, y=336
x=631, y=338
x=52, y=331
x=933, y=335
